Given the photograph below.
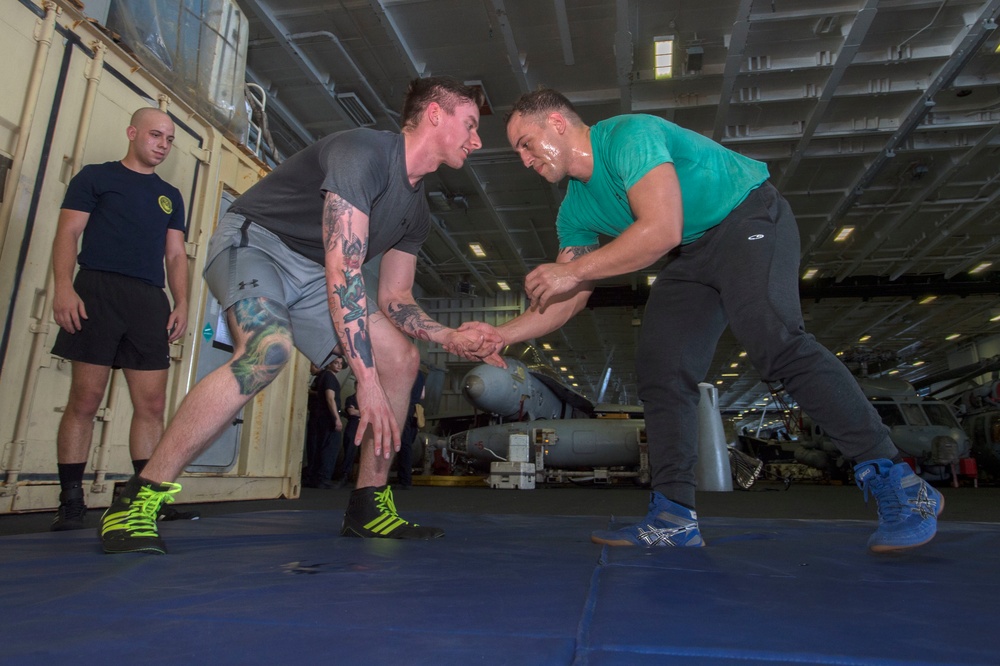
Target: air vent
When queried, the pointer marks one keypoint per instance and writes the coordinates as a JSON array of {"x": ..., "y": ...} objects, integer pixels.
[{"x": 355, "y": 109}]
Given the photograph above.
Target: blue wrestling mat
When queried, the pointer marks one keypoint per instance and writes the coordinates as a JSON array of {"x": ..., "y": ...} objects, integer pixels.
[{"x": 280, "y": 587}]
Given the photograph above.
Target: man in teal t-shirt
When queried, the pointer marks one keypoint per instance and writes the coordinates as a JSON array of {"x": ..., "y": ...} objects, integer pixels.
[{"x": 732, "y": 250}]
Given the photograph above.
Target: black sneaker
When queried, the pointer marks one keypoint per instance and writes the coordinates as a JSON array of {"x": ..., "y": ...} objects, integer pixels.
[
  {"x": 129, "y": 524},
  {"x": 371, "y": 514},
  {"x": 72, "y": 510},
  {"x": 168, "y": 512}
]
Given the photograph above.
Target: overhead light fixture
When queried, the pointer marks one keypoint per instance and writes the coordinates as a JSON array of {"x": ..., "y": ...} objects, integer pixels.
[
  {"x": 563, "y": 368},
  {"x": 981, "y": 267},
  {"x": 995, "y": 317},
  {"x": 810, "y": 274},
  {"x": 926, "y": 299},
  {"x": 546, "y": 346},
  {"x": 864, "y": 338},
  {"x": 734, "y": 365},
  {"x": 719, "y": 382},
  {"x": 575, "y": 385},
  {"x": 918, "y": 364},
  {"x": 742, "y": 354},
  {"x": 556, "y": 359},
  {"x": 843, "y": 234},
  {"x": 650, "y": 279},
  {"x": 503, "y": 285},
  {"x": 570, "y": 377},
  {"x": 894, "y": 372},
  {"x": 477, "y": 249},
  {"x": 954, "y": 336},
  {"x": 663, "y": 57},
  {"x": 730, "y": 374}
]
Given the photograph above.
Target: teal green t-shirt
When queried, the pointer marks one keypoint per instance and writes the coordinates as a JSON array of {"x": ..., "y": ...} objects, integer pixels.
[{"x": 714, "y": 180}]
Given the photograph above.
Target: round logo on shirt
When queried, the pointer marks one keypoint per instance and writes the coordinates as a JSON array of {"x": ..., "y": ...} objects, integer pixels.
[{"x": 166, "y": 205}]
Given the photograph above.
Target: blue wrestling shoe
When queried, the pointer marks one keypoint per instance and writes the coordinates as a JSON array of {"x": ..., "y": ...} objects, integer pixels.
[
  {"x": 666, "y": 524},
  {"x": 908, "y": 506}
]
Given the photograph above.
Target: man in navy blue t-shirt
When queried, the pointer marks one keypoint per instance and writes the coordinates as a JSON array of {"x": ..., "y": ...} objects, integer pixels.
[{"x": 115, "y": 314}]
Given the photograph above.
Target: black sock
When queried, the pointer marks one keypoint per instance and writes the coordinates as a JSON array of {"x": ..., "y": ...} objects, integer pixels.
[
  {"x": 138, "y": 465},
  {"x": 71, "y": 474}
]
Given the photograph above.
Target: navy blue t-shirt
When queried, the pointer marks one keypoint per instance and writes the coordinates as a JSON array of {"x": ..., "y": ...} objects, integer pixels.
[{"x": 130, "y": 213}]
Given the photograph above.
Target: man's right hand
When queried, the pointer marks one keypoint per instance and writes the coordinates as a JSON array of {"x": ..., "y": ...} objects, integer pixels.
[
  {"x": 68, "y": 310},
  {"x": 493, "y": 342}
]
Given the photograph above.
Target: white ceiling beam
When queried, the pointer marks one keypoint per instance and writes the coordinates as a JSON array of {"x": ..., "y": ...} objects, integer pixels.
[
  {"x": 416, "y": 68},
  {"x": 518, "y": 61}
]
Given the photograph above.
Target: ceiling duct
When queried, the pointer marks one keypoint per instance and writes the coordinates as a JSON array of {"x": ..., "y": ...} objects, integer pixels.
[{"x": 355, "y": 108}]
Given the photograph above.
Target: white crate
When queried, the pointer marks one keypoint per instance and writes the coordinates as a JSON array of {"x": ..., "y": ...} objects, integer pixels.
[
  {"x": 512, "y": 475},
  {"x": 518, "y": 449}
]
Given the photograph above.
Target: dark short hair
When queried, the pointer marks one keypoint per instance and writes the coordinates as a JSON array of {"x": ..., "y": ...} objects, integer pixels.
[
  {"x": 542, "y": 101},
  {"x": 446, "y": 91}
]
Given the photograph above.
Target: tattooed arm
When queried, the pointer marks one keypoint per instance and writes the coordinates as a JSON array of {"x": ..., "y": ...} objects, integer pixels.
[
  {"x": 395, "y": 295},
  {"x": 345, "y": 241},
  {"x": 536, "y": 321}
]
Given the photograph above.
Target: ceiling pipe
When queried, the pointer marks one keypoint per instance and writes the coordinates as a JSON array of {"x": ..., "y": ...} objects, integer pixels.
[
  {"x": 735, "y": 53},
  {"x": 974, "y": 37},
  {"x": 852, "y": 43}
]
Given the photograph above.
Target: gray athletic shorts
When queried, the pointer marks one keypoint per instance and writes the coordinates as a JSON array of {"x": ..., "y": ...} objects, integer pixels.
[{"x": 247, "y": 261}]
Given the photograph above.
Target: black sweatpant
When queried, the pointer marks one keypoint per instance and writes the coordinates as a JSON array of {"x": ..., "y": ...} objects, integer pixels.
[{"x": 745, "y": 273}]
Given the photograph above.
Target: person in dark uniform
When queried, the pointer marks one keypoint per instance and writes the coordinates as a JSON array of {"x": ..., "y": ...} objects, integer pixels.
[
  {"x": 115, "y": 314},
  {"x": 325, "y": 426},
  {"x": 342, "y": 476}
]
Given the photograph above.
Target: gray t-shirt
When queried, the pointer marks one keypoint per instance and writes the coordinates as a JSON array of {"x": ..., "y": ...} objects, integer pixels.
[{"x": 367, "y": 168}]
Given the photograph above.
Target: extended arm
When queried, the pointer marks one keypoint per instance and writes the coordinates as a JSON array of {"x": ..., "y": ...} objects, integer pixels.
[
  {"x": 658, "y": 228},
  {"x": 345, "y": 240},
  {"x": 537, "y": 321},
  {"x": 395, "y": 297},
  {"x": 177, "y": 279},
  {"x": 67, "y": 307}
]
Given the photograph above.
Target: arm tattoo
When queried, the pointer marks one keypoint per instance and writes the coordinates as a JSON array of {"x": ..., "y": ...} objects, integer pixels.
[
  {"x": 351, "y": 295},
  {"x": 580, "y": 250},
  {"x": 360, "y": 343},
  {"x": 336, "y": 217},
  {"x": 268, "y": 336},
  {"x": 410, "y": 319}
]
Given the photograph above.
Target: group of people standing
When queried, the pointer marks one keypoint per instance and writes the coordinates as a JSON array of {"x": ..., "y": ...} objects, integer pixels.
[{"x": 285, "y": 264}]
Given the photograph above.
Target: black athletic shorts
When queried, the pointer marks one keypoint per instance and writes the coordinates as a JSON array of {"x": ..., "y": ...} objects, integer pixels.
[{"x": 126, "y": 325}]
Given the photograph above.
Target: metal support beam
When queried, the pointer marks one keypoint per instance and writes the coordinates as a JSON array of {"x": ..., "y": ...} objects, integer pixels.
[{"x": 734, "y": 63}]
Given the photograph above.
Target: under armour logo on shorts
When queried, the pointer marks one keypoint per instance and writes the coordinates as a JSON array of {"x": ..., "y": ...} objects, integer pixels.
[{"x": 251, "y": 283}]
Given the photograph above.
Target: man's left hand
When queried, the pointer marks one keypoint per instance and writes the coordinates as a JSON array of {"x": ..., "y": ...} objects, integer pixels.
[{"x": 549, "y": 281}]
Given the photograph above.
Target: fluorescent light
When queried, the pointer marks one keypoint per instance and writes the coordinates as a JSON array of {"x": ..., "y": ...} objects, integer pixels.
[
  {"x": 894, "y": 372},
  {"x": 503, "y": 286},
  {"x": 556, "y": 359},
  {"x": 810, "y": 274},
  {"x": 981, "y": 267},
  {"x": 734, "y": 365},
  {"x": 864, "y": 338},
  {"x": 477, "y": 249},
  {"x": 546, "y": 346},
  {"x": 926, "y": 299},
  {"x": 743, "y": 354},
  {"x": 650, "y": 279},
  {"x": 563, "y": 368},
  {"x": 954, "y": 336},
  {"x": 730, "y": 374},
  {"x": 719, "y": 382},
  {"x": 663, "y": 57},
  {"x": 575, "y": 384},
  {"x": 918, "y": 364},
  {"x": 995, "y": 317},
  {"x": 843, "y": 234},
  {"x": 570, "y": 377}
]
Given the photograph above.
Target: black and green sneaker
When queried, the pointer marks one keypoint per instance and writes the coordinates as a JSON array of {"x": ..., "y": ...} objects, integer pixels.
[
  {"x": 72, "y": 509},
  {"x": 371, "y": 514},
  {"x": 129, "y": 524}
]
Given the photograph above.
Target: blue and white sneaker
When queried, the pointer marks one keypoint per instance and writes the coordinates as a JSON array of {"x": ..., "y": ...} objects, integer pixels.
[
  {"x": 666, "y": 524},
  {"x": 908, "y": 506}
]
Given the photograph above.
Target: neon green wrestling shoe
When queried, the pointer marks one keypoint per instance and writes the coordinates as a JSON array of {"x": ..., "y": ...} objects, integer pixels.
[
  {"x": 129, "y": 524},
  {"x": 371, "y": 514}
]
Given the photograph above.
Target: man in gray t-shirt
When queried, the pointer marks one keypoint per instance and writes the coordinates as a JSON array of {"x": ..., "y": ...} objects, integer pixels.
[{"x": 285, "y": 263}]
